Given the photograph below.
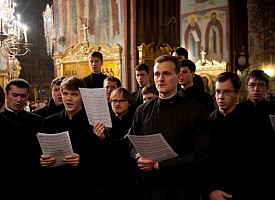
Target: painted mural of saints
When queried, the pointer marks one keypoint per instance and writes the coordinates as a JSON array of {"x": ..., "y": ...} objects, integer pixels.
[
  {"x": 192, "y": 38},
  {"x": 214, "y": 38}
]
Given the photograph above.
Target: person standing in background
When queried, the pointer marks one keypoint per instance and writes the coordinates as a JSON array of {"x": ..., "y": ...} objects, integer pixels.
[
  {"x": 96, "y": 78},
  {"x": 110, "y": 84},
  {"x": 149, "y": 92},
  {"x": 188, "y": 90},
  {"x": 56, "y": 103},
  {"x": 143, "y": 79},
  {"x": 182, "y": 54}
]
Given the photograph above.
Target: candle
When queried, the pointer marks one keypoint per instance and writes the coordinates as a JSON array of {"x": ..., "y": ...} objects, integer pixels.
[
  {"x": 18, "y": 28},
  {"x": 25, "y": 33},
  {"x": 18, "y": 34}
]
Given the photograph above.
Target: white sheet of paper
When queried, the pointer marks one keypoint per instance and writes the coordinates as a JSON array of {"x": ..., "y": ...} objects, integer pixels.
[
  {"x": 272, "y": 119},
  {"x": 56, "y": 145},
  {"x": 152, "y": 147},
  {"x": 96, "y": 106},
  {"x": 195, "y": 36}
]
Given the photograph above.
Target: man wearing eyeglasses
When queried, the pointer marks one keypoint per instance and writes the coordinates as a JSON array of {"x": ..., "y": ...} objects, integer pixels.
[
  {"x": 110, "y": 84},
  {"x": 236, "y": 147},
  {"x": 118, "y": 181},
  {"x": 257, "y": 85}
]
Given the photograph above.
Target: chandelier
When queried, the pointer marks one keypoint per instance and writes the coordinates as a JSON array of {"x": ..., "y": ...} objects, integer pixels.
[{"x": 13, "y": 34}]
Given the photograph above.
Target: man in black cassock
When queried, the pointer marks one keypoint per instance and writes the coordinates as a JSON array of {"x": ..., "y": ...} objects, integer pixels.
[
  {"x": 257, "y": 85},
  {"x": 183, "y": 124},
  {"x": 56, "y": 104},
  {"x": 96, "y": 78},
  {"x": 78, "y": 175},
  {"x": 239, "y": 155},
  {"x": 118, "y": 179},
  {"x": 189, "y": 90},
  {"x": 143, "y": 79},
  {"x": 18, "y": 145},
  {"x": 17, "y": 93}
]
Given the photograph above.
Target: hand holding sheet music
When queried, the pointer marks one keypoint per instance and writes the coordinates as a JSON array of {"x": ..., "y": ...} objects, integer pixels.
[
  {"x": 152, "y": 147},
  {"x": 96, "y": 106},
  {"x": 56, "y": 145}
]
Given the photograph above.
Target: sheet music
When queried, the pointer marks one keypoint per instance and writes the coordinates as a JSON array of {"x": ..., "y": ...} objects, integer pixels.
[
  {"x": 96, "y": 106},
  {"x": 152, "y": 147},
  {"x": 56, "y": 145},
  {"x": 272, "y": 119}
]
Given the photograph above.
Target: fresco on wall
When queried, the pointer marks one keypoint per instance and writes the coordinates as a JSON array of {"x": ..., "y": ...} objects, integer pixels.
[
  {"x": 261, "y": 33},
  {"x": 104, "y": 21},
  {"x": 261, "y": 38},
  {"x": 206, "y": 30},
  {"x": 188, "y": 6}
]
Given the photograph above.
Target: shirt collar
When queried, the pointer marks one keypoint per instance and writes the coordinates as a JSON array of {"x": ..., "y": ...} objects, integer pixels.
[
  {"x": 8, "y": 109},
  {"x": 171, "y": 96}
]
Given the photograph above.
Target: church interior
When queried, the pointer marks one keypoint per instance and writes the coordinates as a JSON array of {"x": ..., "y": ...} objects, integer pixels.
[{"x": 220, "y": 35}]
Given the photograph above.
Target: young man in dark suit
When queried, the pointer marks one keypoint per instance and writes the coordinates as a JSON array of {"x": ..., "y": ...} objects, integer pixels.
[{"x": 96, "y": 78}]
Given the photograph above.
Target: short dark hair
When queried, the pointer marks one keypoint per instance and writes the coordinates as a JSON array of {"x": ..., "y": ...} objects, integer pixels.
[
  {"x": 142, "y": 67},
  {"x": 235, "y": 79},
  {"x": 57, "y": 80},
  {"x": 2, "y": 96},
  {"x": 190, "y": 64},
  {"x": 125, "y": 93},
  {"x": 18, "y": 82},
  {"x": 72, "y": 83},
  {"x": 258, "y": 75},
  {"x": 113, "y": 79},
  {"x": 172, "y": 59},
  {"x": 180, "y": 51},
  {"x": 96, "y": 54},
  {"x": 150, "y": 89}
]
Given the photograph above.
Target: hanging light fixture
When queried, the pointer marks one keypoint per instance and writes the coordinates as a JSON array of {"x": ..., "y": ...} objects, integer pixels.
[{"x": 13, "y": 34}]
